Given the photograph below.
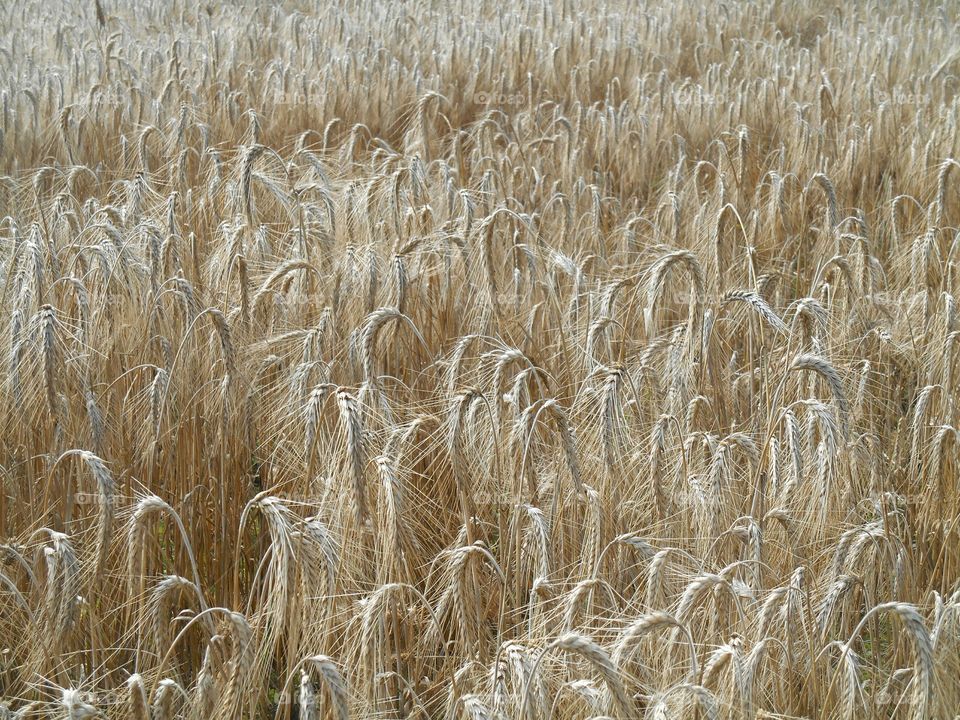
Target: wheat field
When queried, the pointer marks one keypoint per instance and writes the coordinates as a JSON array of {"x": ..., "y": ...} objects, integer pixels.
[{"x": 479, "y": 361}]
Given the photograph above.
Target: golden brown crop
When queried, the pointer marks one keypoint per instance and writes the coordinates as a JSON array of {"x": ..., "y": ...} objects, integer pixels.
[{"x": 491, "y": 361}]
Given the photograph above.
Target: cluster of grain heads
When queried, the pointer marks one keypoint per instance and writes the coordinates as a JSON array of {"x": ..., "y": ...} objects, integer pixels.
[{"x": 490, "y": 362}]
